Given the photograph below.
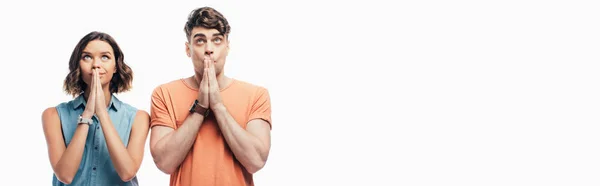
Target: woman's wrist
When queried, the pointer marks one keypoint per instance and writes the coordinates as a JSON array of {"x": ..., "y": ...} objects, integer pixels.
[{"x": 87, "y": 115}]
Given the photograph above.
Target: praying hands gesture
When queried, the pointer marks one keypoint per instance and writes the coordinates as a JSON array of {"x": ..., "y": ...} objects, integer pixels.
[
  {"x": 209, "y": 95},
  {"x": 96, "y": 102}
]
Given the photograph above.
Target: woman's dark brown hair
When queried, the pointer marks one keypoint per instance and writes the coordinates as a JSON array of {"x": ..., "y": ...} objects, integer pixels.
[{"x": 121, "y": 80}]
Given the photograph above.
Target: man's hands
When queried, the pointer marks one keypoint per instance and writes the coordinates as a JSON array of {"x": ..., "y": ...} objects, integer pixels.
[
  {"x": 96, "y": 102},
  {"x": 209, "y": 95},
  {"x": 214, "y": 93},
  {"x": 204, "y": 88}
]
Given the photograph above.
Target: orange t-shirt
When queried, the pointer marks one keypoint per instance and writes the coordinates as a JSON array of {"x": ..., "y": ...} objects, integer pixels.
[{"x": 210, "y": 161}]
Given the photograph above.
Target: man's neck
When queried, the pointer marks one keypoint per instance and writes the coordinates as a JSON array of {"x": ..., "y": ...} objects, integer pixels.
[{"x": 222, "y": 80}]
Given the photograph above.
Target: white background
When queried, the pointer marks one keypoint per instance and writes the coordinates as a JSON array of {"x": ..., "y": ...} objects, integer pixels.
[{"x": 363, "y": 93}]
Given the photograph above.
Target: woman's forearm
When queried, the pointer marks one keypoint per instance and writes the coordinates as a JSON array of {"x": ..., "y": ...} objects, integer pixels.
[
  {"x": 122, "y": 160},
  {"x": 66, "y": 168}
]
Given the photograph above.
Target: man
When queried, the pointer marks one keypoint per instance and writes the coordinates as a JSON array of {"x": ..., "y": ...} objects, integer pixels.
[{"x": 209, "y": 129}]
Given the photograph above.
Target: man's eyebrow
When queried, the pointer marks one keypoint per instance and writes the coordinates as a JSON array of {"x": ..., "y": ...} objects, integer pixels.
[
  {"x": 199, "y": 35},
  {"x": 202, "y": 35}
]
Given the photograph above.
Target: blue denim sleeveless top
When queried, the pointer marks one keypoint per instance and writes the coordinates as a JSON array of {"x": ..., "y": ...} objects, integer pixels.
[{"x": 96, "y": 167}]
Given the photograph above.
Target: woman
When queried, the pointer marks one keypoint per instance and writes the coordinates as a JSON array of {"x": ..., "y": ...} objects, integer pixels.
[{"x": 96, "y": 139}]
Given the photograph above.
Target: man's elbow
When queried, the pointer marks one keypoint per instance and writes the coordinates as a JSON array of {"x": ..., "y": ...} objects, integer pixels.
[
  {"x": 256, "y": 166},
  {"x": 165, "y": 167},
  {"x": 167, "y": 170}
]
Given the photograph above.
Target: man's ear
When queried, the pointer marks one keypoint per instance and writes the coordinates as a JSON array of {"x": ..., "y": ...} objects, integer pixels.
[
  {"x": 228, "y": 44},
  {"x": 187, "y": 49}
]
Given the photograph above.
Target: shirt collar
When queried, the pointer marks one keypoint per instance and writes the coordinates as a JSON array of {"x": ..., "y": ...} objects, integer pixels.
[{"x": 114, "y": 102}]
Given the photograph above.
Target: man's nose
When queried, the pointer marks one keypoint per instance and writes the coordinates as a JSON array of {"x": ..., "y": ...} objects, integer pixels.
[{"x": 209, "y": 50}]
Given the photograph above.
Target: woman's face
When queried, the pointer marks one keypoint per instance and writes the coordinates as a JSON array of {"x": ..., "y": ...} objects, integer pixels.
[{"x": 97, "y": 55}]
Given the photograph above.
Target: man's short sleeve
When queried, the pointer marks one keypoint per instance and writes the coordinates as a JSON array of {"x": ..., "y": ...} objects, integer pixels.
[
  {"x": 261, "y": 107},
  {"x": 159, "y": 112}
]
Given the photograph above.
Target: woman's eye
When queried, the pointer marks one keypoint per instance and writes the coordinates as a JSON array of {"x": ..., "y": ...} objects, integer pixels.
[
  {"x": 87, "y": 58},
  {"x": 104, "y": 58}
]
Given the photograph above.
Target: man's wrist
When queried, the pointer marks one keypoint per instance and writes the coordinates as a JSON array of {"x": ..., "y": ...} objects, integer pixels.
[
  {"x": 219, "y": 107},
  {"x": 197, "y": 108},
  {"x": 196, "y": 114}
]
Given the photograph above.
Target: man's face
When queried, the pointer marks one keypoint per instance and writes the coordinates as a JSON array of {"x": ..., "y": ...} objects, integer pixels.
[{"x": 203, "y": 43}]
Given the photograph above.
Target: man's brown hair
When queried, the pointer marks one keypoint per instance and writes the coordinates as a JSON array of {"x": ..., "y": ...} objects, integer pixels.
[{"x": 206, "y": 17}]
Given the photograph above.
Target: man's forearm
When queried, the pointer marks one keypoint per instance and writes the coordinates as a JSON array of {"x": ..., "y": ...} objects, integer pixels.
[
  {"x": 248, "y": 149},
  {"x": 172, "y": 149}
]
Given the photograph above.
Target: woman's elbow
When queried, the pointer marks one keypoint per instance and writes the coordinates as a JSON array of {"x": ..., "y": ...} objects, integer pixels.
[
  {"x": 127, "y": 176},
  {"x": 65, "y": 179}
]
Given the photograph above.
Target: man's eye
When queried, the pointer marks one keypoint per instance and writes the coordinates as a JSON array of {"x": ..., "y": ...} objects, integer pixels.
[
  {"x": 217, "y": 40},
  {"x": 200, "y": 41}
]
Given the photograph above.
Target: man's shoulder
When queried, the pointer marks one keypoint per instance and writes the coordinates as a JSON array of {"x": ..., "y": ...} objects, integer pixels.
[
  {"x": 251, "y": 87},
  {"x": 249, "y": 90},
  {"x": 169, "y": 86}
]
